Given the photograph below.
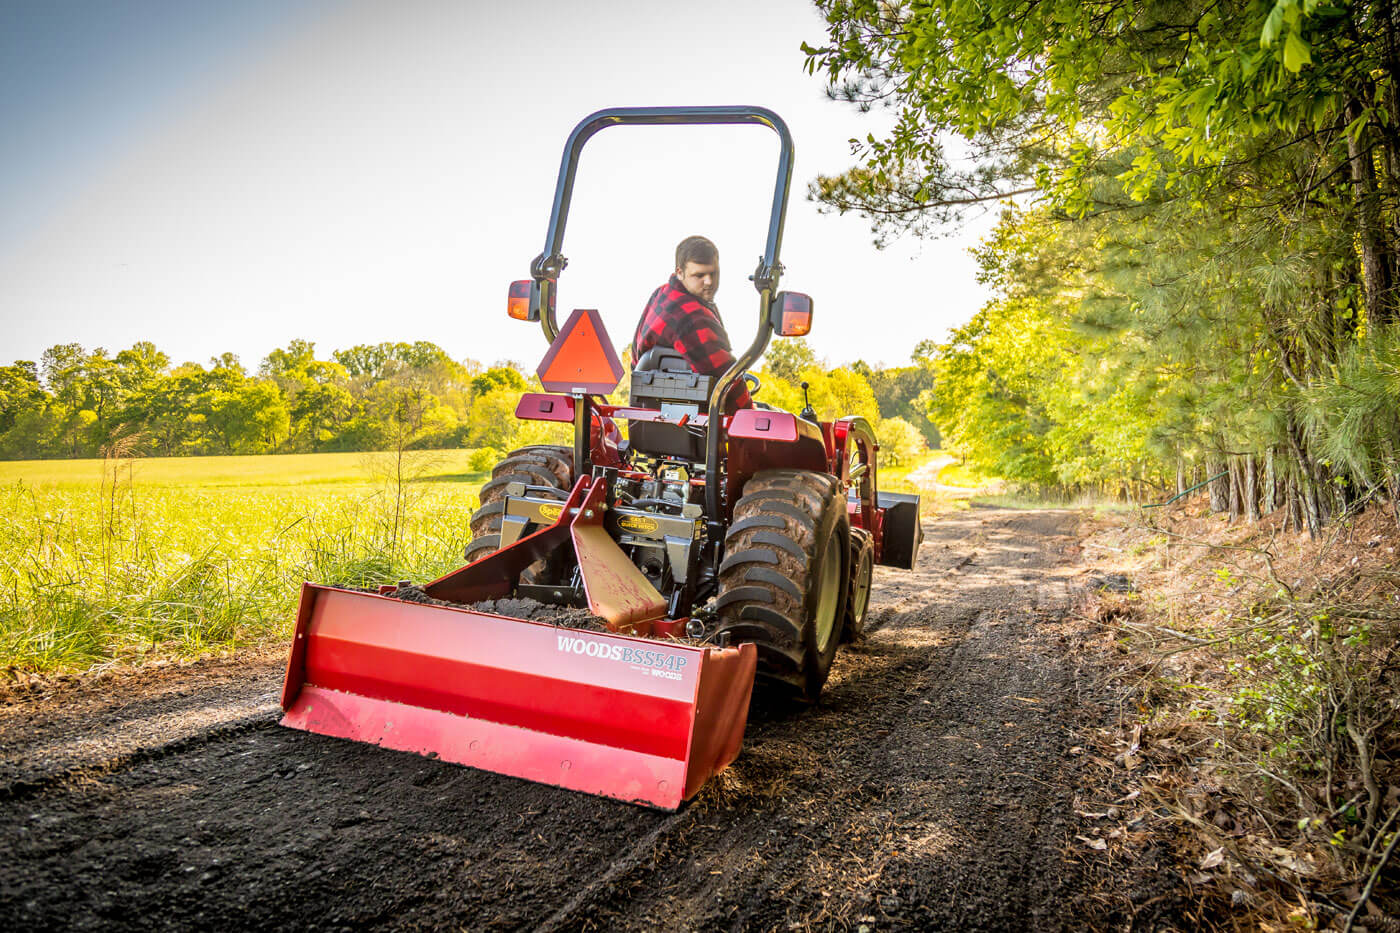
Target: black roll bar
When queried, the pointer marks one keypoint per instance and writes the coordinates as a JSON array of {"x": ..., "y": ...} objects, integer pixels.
[{"x": 549, "y": 264}]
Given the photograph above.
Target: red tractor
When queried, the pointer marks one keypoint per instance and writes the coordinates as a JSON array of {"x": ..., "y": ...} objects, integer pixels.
[{"x": 713, "y": 548}]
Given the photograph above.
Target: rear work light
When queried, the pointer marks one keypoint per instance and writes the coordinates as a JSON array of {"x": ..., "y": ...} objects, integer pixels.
[
  {"x": 792, "y": 314},
  {"x": 518, "y": 304}
]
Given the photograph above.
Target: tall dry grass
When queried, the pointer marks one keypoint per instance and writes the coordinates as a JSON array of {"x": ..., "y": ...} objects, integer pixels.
[{"x": 123, "y": 571}]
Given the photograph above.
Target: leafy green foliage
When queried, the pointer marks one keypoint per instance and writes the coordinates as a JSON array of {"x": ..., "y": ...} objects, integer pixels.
[
  {"x": 786, "y": 358},
  {"x": 1207, "y": 273},
  {"x": 380, "y": 397},
  {"x": 901, "y": 444}
]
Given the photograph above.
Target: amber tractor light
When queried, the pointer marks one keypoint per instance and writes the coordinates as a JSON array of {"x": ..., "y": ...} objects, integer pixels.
[
  {"x": 518, "y": 304},
  {"x": 792, "y": 314}
]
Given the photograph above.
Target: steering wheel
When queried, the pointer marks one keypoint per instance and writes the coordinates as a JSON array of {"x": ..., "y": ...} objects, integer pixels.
[{"x": 754, "y": 384}]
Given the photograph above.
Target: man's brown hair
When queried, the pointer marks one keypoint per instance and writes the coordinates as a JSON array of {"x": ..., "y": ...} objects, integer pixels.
[{"x": 696, "y": 249}]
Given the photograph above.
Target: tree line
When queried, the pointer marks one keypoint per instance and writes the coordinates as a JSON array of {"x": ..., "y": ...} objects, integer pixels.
[
  {"x": 86, "y": 403},
  {"x": 1195, "y": 267},
  {"x": 79, "y": 403}
]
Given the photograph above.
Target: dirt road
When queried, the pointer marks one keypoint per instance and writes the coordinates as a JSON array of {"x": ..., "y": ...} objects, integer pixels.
[{"x": 933, "y": 787}]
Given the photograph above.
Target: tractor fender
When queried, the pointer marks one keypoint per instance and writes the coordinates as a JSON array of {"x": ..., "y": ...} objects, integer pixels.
[
  {"x": 764, "y": 439},
  {"x": 853, "y": 441},
  {"x": 784, "y": 442},
  {"x": 764, "y": 425}
]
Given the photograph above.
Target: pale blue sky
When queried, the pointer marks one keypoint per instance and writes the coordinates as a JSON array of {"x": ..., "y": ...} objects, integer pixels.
[
  {"x": 81, "y": 80},
  {"x": 220, "y": 177}
]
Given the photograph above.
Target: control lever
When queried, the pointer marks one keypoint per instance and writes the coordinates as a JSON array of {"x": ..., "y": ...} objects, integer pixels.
[{"x": 807, "y": 413}]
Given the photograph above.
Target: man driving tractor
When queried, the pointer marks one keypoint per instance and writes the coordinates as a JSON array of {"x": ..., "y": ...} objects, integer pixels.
[{"x": 682, "y": 315}]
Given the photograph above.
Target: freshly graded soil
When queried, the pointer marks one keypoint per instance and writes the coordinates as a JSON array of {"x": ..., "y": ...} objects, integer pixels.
[
  {"x": 515, "y": 608},
  {"x": 934, "y": 787},
  {"x": 534, "y": 611}
]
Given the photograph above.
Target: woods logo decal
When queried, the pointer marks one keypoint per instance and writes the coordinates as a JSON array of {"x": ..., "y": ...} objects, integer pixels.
[
  {"x": 551, "y": 512},
  {"x": 657, "y": 663}
]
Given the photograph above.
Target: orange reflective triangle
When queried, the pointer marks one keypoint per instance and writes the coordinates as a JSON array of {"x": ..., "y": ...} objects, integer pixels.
[{"x": 581, "y": 358}]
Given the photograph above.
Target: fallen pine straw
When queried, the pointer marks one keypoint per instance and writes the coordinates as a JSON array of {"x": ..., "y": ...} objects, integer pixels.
[{"x": 1261, "y": 683}]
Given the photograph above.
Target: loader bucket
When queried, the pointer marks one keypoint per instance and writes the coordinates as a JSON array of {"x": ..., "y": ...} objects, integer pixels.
[{"x": 642, "y": 720}]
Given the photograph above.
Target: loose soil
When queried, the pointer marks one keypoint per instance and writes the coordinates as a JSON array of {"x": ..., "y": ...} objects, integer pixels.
[{"x": 935, "y": 786}]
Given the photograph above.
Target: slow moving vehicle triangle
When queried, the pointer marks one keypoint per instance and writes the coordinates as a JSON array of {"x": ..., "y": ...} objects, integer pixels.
[{"x": 581, "y": 359}]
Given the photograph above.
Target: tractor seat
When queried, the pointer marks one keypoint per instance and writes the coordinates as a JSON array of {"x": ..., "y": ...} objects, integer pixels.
[
  {"x": 662, "y": 359},
  {"x": 662, "y": 379}
]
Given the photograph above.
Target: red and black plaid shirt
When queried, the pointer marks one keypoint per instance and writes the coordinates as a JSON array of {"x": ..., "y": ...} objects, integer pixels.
[{"x": 677, "y": 319}]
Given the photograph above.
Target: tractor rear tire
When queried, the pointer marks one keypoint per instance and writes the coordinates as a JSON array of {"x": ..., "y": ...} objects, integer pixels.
[
  {"x": 784, "y": 581},
  {"x": 541, "y": 465},
  {"x": 862, "y": 569}
]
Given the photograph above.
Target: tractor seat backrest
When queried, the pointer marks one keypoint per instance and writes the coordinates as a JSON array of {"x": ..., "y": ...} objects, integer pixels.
[
  {"x": 663, "y": 379},
  {"x": 664, "y": 359}
]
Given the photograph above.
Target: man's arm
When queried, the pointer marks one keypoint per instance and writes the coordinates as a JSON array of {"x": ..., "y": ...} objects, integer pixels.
[{"x": 704, "y": 344}]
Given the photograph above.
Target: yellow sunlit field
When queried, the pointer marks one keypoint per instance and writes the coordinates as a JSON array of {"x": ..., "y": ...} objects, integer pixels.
[
  {"x": 263, "y": 470},
  {"x": 180, "y": 556}
]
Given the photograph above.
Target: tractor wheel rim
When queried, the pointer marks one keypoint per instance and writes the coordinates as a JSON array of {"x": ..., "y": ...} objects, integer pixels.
[
  {"x": 828, "y": 589},
  {"x": 860, "y": 599}
]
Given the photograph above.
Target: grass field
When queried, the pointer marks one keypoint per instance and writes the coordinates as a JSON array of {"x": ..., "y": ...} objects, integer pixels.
[
  {"x": 121, "y": 561},
  {"x": 963, "y": 476},
  {"x": 260, "y": 471},
  {"x": 181, "y": 556}
]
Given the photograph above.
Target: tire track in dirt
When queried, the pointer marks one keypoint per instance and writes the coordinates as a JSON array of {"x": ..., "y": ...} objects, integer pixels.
[
  {"x": 920, "y": 812},
  {"x": 112, "y": 720},
  {"x": 926, "y": 789}
]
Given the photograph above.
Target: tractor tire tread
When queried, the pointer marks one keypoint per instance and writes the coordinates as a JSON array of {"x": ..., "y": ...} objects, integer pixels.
[
  {"x": 537, "y": 465},
  {"x": 496, "y": 488},
  {"x": 783, "y": 523},
  {"x": 757, "y": 521},
  {"x": 752, "y": 632},
  {"x": 487, "y": 519},
  {"x": 810, "y": 494},
  {"x": 773, "y": 578},
  {"x": 753, "y": 555},
  {"x": 774, "y": 623},
  {"x": 485, "y": 544},
  {"x": 783, "y": 505},
  {"x": 750, "y": 594},
  {"x": 777, "y": 540},
  {"x": 529, "y": 463},
  {"x": 862, "y": 547}
]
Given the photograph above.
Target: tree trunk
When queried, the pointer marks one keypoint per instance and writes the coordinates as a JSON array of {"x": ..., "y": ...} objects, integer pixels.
[
  {"x": 1376, "y": 256},
  {"x": 1219, "y": 487},
  {"x": 1324, "y": 490},
  {"x": 1233, "y": 465},
  {"x": 1251, "y": 489},
  {"x": 1395, "y": 502},
  {"x": 1180, "y": 477},
  {"x": 1295, "y": 505},
  {"x": 1390, "y": 143},
  {"x": 1270, "y": 483},
  {"x": 1285, "y": 493},
  {"x": 1307, "y": 481}
]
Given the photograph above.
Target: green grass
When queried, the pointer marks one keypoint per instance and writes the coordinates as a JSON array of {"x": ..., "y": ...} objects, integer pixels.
[
  {"x": 191, "y": 555},
  {"x": 963, "y": 476},
  {"x": 1027, "y": 501},
  {"x": 126, "y": 560},
  {"x": 280, "y": 470},
  {"x": 896, "y": 478}
]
